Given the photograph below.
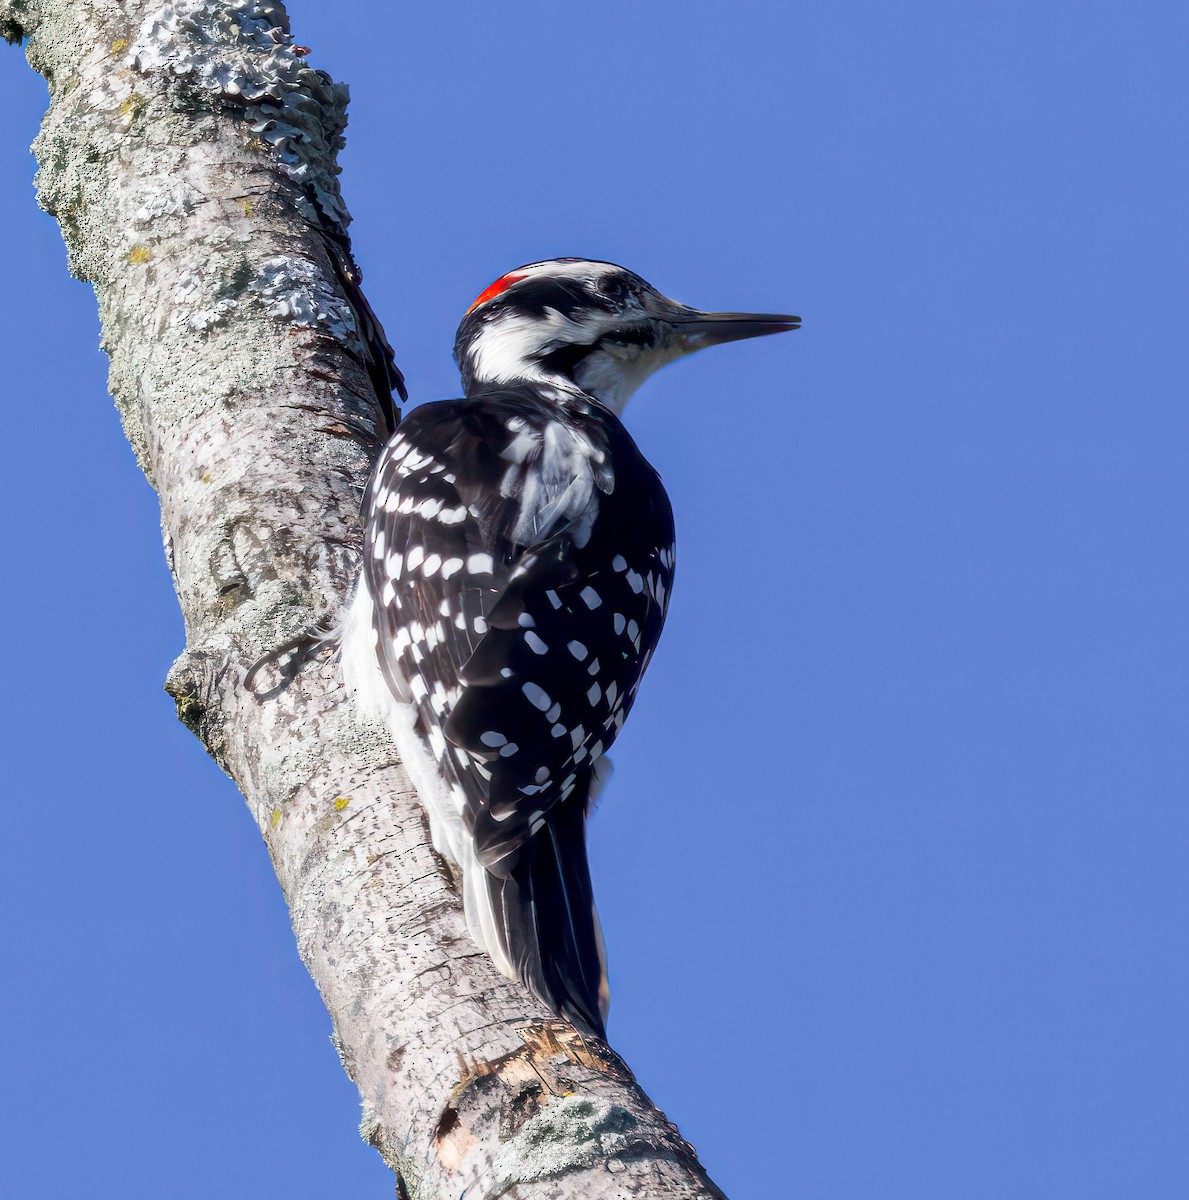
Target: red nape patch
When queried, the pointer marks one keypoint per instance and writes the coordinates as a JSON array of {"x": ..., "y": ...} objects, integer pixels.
[{"x": 501, "y": 285}]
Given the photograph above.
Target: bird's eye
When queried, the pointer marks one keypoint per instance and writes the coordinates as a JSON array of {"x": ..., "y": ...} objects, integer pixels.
[{"x": 614, "y": 287}]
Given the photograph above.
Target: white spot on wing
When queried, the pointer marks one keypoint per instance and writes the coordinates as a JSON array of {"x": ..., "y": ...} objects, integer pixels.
[{"x": 437, "y": 741}]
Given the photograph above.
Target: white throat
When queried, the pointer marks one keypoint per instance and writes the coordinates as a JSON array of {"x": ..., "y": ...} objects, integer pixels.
[{"x": 614, "y": 378}]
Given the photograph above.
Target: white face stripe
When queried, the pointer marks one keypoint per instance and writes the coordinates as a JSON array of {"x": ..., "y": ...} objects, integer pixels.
[
  {"x": 586, "y": 269},
  {"x": 506, "y": 348}
]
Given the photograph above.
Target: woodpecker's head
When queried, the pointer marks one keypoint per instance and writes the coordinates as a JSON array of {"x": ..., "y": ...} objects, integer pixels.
[{"x": 588, "y": 326}]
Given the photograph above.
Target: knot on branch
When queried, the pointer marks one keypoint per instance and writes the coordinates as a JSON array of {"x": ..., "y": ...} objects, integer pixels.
[
  {"x": 194, "y": 682},
  {"x": 11, "y": 30}
]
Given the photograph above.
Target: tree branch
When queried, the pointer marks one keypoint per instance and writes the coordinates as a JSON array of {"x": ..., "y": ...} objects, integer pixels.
[{"x": 189, "y": 157}]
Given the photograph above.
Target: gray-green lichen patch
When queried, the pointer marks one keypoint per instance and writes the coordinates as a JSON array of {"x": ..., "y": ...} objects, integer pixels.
[
  {"x": 163, "y": 197},
  {"x": 241, "y": 54},
  {"x": 197, "y": 302},
  {"x": 569, "y": 1133},
  {"x": 295, "y": 290}
]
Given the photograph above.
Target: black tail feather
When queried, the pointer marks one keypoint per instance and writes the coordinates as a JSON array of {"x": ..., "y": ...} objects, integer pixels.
[{"x": 545, "y": 912}]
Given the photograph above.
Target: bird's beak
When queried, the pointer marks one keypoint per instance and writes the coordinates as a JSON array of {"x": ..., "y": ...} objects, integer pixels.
[{"x": 696, "y": 329}]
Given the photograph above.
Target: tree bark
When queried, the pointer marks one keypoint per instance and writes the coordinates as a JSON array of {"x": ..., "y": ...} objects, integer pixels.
[{"x": 189, "y": 156}]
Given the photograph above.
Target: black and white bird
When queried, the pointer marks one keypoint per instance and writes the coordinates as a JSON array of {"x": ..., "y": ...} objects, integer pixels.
[{"x": 518, "y": 561}]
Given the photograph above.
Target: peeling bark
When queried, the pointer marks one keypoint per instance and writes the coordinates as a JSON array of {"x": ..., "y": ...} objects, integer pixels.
[{"x": 189, "y": 157}]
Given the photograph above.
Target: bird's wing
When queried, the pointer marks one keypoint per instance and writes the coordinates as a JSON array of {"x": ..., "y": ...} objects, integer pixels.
[{"x": 519, "y": 610}]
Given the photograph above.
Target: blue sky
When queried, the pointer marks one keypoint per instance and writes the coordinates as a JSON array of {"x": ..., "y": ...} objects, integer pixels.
[{"x": 893, "y": 869}]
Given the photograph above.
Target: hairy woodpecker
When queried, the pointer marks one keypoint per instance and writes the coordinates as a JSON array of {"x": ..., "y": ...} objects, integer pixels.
[{"x": 518, "y": 560}]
